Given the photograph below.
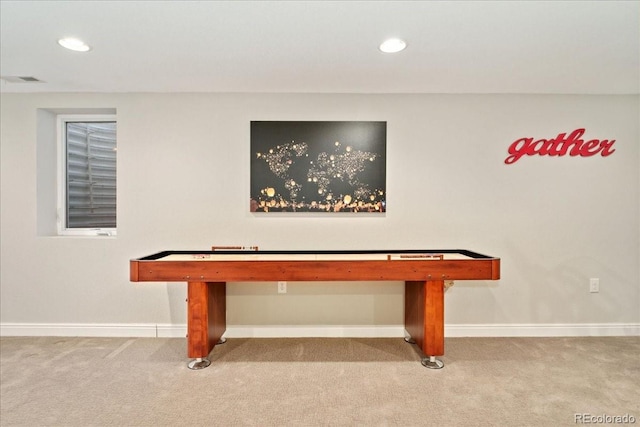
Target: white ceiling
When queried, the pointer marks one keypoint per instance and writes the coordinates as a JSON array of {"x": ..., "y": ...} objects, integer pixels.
[{"x": 576, "y": 47}]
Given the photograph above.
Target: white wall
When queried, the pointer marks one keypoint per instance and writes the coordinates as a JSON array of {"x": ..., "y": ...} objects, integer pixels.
[{"x": 183, "y": 183}]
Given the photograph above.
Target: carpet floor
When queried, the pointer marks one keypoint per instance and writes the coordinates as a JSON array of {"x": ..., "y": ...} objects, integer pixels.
[{"x": 47, "y": 381}]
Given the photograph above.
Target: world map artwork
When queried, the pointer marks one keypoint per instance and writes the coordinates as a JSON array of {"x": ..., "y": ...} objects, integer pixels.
[{"x": 318, "y": 166}]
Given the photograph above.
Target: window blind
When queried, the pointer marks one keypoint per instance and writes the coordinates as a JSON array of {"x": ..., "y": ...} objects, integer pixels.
[{"x": 91, "y": 174}]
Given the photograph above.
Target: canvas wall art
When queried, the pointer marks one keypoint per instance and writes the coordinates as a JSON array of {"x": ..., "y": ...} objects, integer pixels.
[{"x": 316, "y": 166}]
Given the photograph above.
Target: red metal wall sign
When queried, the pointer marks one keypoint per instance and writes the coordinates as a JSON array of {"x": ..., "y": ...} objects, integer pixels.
[{"x": 560, "y": 146}]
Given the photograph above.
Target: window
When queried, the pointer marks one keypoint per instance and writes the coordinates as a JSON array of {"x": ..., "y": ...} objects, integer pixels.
[{"x": 87, "y": 190}]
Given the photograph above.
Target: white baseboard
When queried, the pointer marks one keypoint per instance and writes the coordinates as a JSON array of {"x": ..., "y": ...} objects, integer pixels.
[
  {"x": 328, "y": 331},
  {"x": 77, "y": 330},
  {"x": 544, "y": 330}
]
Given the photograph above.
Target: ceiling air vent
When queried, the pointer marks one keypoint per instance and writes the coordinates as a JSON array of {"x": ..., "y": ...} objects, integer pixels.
[{"x": 21, "y": 79}]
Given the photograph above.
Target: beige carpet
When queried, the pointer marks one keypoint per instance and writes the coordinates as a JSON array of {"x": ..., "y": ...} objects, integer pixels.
[{"x": 317, "y": 382}]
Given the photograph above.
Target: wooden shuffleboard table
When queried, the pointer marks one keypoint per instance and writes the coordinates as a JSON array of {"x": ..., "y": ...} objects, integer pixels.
[{"x": 207, "y": 273}]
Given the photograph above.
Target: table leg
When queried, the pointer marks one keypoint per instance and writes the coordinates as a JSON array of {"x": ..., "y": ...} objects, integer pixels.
[
  {"x": 424, "y": 318},
  {"x": 206, "y": 320}
]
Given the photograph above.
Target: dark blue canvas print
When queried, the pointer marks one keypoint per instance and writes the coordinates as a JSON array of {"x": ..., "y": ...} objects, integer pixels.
[{"x": 318, "y": 166}]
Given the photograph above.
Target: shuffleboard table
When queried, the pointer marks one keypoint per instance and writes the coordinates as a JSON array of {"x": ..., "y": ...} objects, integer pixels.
[{"x": 207, "y": 273}]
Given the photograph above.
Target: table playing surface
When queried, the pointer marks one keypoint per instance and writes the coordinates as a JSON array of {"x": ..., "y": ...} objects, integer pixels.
[{"x": 401, "y": 256}]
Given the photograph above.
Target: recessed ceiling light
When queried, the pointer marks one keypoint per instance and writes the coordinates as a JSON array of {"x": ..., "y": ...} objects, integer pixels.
[
  {"x": 392, "y": 45},
  {"x": 74, "y": 44}
]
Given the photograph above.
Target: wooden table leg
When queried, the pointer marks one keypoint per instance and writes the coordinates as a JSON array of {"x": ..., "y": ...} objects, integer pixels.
[
  {"x": 424, "y": 318},
  {"x": 206, "y": 319}
]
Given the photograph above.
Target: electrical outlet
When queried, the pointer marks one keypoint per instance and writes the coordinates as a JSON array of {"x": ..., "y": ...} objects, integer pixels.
[
  {"x": 594, "y": 285},
  {"x": 282, "y": 287}
]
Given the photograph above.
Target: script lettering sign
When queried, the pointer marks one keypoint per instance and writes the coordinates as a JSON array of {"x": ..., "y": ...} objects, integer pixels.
[{"x": 561, "y": 145}]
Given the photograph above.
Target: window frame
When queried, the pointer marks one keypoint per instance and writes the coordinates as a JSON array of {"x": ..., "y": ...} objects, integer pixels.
[{"x": 62, "y": 186}]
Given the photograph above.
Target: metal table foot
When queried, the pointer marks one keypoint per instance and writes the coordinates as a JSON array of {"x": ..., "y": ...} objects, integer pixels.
[
  {"x": 409, "y": 340},
  {"x": 199, "y": 363},
  {"x": 432, "y": 363},
  {"x": 203, "y": 362}
]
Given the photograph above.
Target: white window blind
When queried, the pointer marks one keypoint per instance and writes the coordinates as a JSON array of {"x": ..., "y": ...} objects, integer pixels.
[{"x": 90, "y": 174}]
